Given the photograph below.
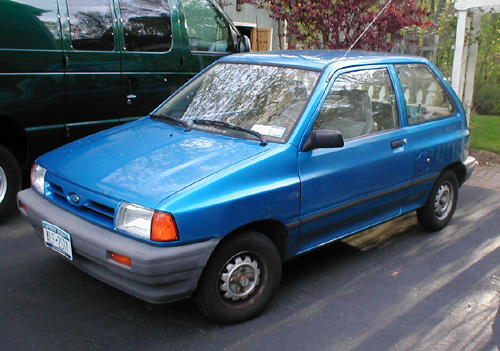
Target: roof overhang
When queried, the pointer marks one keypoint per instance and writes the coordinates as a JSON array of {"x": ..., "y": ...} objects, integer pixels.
[{"x": 464, "y": 5}]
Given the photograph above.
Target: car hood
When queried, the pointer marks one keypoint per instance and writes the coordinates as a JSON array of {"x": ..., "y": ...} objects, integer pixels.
[{"x": 146, "y": 161}]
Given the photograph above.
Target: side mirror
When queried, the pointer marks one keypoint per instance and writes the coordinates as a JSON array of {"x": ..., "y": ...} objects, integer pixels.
[
  {"x": 244, "y": 44},
  {"x": 323, "y": 139}
]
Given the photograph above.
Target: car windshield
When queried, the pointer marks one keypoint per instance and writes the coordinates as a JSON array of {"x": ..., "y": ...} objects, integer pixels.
[{"x": 257, "y": 98}]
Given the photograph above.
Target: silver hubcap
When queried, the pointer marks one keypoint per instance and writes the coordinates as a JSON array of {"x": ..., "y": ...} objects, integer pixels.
[
  {"x": 444, "y": 200},
  {"x": 239, "y": 277},
  {"x": 3, "y": 184}
]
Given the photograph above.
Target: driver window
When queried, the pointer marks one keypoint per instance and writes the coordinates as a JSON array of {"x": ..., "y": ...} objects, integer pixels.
[
  {"x": 359, "y": 103},
  {"x": 207, "y": 29}
]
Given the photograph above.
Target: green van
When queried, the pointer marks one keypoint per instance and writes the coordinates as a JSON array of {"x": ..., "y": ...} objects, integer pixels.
[{"x": 69, "y": 68}]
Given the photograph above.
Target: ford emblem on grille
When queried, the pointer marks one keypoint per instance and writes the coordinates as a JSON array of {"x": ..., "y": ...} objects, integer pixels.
[{"x": 74, "y": 198}]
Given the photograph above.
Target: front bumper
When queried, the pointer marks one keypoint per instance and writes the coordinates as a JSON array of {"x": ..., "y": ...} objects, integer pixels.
[
  {"x": 470, "y": 163},
  {"x": 157, "y": 274}
]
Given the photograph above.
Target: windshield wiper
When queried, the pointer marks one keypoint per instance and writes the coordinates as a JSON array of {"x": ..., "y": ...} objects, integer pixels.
[
  {"x": 223, "y": 124},
  {"x": 174, "y": 119}
]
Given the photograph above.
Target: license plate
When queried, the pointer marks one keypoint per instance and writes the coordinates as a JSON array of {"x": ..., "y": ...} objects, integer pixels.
[{"x": 57, "y": 239}]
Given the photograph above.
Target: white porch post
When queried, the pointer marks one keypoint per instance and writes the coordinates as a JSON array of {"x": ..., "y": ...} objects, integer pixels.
[
  {"x": 460, "y": 56},
  {"x": 465, "y": 57},
  {"x": 470, "y": 72}
]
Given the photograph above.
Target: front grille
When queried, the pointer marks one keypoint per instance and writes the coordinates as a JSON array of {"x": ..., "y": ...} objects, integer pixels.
[
  {"x": 91, "y": 206},
  {"x": 57, "y": 190},
  {"x": 101, "y": 209}
]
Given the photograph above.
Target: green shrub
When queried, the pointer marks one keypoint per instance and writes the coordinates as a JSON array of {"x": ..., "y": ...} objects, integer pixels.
[{"x": 486, "y": 99}]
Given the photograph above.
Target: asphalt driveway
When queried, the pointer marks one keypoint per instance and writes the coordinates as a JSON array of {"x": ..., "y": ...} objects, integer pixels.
[{"x": 396, "y": 288}]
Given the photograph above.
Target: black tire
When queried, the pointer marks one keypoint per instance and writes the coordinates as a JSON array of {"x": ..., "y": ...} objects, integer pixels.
[
  {"x": 240, "y": 279},
  {"x": 441, "y": 204},
  {"x": 10, "y": 181}
]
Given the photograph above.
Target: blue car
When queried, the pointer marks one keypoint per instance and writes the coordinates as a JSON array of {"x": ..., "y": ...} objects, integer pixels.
[{"x": 260, "y": 158}]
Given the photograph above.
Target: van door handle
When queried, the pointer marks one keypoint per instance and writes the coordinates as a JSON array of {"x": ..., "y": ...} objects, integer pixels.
[
  {"x": 398, "y": 143},
  {"x": 130, "y": 96}
]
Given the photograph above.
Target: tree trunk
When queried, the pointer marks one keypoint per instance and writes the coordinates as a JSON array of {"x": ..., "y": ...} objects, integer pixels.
[
  {"x": 281, "y": 34},
  {"x": 292, "y": 41},
  {"x": 439, "y": 10}
]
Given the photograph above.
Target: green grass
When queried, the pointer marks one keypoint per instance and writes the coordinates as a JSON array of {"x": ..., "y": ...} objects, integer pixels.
[{"x": 485, "y": 133}]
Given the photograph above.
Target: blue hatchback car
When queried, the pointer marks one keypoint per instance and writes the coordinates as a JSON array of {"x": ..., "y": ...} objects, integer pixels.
[{"x": 258, "y": 159}]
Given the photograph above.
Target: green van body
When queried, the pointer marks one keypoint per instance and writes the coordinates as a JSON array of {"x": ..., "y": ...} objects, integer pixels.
[{"x": 71, "y": 68}]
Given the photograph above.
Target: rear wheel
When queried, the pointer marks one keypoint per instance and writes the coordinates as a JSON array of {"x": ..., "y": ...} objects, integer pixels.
[
  {"x": 10, "y": 181},
  {"x": 240, "y": 279},
  {"x": 441, "y": 204}
]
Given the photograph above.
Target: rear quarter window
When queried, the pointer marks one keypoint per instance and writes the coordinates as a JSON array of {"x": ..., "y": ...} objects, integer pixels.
[{"x": 426, "y": 98}]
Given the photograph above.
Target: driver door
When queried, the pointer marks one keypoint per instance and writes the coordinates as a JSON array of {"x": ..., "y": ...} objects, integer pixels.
[{"x": 364, "y": 182}]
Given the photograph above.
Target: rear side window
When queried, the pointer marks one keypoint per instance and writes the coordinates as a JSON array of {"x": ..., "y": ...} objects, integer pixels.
[
  {"x": 207, "y": 29},
  {"x": 29, "y": 24},
  {"x": 146, "y": 28},
  {"x": 359, "y": 103},
  {"x": 91, "y": 25},
  {"x": 426, "y": 98}
]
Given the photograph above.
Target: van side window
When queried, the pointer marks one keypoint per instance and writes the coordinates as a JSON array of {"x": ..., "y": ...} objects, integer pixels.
[
  {"x": 207, "y": 29},
  {"x": 146, "y": 28},
  {"x": 32, "y": 24},
  {"x": 426, "y": 99},
  {"x": 91, "y": 25},
  {"x": 359, "y": 103}
]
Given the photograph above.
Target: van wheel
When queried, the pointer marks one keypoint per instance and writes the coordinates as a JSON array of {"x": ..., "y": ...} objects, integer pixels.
[
  {"x": 441, "y": 203},
  {"x": 240, "y": 279},
  {"x": 10, "y": 181}
]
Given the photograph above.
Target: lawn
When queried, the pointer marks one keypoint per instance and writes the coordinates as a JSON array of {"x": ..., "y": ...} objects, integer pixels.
[{"x": 485, "y": 133}]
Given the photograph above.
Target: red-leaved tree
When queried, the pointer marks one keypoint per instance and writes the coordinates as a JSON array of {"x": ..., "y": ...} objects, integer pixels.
[{"x": 336, "y": 24}]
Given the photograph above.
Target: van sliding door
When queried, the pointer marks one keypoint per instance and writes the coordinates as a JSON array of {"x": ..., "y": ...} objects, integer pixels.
[
  {"x": 92, "y": 67},
  {"x": 151, "y": 64}
]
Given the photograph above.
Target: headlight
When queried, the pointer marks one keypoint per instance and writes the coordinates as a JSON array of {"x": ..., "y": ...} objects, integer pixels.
[
  {"x": 146, "y": 223},
  {"x": 38, "y": 178},
  {"x": 134, "y": 219}
]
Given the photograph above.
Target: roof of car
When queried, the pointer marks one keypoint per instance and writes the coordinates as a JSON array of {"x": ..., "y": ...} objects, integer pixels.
[{"x": 318, "y": 59}]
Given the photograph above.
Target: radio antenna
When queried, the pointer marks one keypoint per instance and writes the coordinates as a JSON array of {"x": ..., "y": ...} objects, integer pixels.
[{"x": 368, "y": 27}]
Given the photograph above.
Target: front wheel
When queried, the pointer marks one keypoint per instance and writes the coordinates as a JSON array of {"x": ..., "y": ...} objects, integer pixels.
[
  {"x": 10, "y": 181},
  {"x": 240, "y": 279},
  {"x": 441, "y": 203}
]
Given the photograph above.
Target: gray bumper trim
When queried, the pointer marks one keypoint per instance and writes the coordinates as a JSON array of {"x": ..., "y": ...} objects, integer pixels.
[
  {"x": 470, "y": 163},
  {"x": 158, "y": 274}
]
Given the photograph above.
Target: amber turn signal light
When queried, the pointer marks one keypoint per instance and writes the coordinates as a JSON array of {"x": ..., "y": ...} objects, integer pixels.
[
  {"x": 163, "y": 227},
  {"x": 121, "y": 259}
]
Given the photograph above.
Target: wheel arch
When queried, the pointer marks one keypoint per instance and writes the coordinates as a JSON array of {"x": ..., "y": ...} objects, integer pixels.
[
  {"x": 459, "y": 169},
  {"x": 13, "y": 138},
  {"x": 275, "y": 230}
]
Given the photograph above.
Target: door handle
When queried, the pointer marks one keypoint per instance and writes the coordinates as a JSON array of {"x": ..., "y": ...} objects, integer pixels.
[
  {"x": 129, "y": 98},
  {"x": 398, "y": 143},
  {"x": 130, "y": 85}
]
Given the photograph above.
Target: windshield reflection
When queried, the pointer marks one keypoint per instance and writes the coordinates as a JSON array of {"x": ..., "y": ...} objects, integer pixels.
[{"x": 265, "y": 99}]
